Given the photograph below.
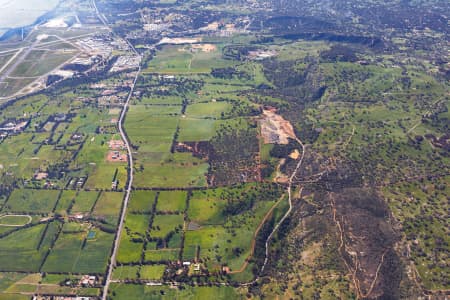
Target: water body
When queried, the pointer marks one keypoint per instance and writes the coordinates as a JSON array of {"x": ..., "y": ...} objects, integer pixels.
[{"x": 18, "y": 13}]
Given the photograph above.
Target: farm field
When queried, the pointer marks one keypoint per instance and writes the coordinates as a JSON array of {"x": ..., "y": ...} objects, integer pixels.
[
  {"x": 174, "y": 201},
  {"x": 25, "y": 249},
  {"x": 31, "y": 201},
  {"x": 216, "y": 221},
  {"x": 130, "y": 291},
  {"x": 226, "y": 150},
  {"x": 184, "y": 59},
  {"x": 23, "y": 286},
  {"x": 86, "y": 195},
  {"x": 172, "y": 175},
  {"x": 126, "y": 272},
  {"x": 196, "y": 129},
  {"x": 75, "y": 253}
]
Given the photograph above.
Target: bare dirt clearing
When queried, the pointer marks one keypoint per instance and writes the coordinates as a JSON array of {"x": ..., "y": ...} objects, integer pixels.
[
  {"x": 275, "y": 129},
  {"x": 204, "y": 47},
  {"x": 116, "y": 156}
]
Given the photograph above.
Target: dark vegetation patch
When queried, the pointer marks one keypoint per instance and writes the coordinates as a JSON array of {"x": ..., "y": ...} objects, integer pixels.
[
  {"x": 294, "y": 24},
  {"x": 229, "y": 73},
  {"x": 238, "y": 52},
  {"x": 303, "y": 250},
  {"x": 339, "y": 53},
  {"x": 233, "y": 155},
  {"x": 369, "y": 240},
  {"x": 52, "y": 79},
  {"x": 441, "y": 142},
  {"x": 76, "y": 67},
  {"x": 198, "y": 149},
  {"x": 239, "y": 200}
]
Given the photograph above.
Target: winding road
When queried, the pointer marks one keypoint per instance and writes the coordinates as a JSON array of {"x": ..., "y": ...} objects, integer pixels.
[{"x": 289, "y": 190}]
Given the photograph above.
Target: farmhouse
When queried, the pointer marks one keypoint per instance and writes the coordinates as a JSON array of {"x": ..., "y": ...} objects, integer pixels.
[
  {"x": 76, "y": 137},
  {"x": 14, "y": 126},
  {"x": 41, "y": 175},
  {"x": 196, "y": 267},
  {"x": 88, "y": 280}
]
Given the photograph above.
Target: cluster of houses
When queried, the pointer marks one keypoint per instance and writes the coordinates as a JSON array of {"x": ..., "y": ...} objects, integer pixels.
[{"x": 12, "y": 127}]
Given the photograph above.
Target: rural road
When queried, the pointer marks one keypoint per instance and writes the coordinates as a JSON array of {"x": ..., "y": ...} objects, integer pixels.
[
  {"x": 289, "y": 189},
  {"x": 127, "y": 192},
  {"x": 123, "y": 213}
]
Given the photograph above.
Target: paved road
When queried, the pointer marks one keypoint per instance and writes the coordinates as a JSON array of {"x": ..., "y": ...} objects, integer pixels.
[
  {"x": 130, "y": 167},
  {"x": 128, "y": 189}
]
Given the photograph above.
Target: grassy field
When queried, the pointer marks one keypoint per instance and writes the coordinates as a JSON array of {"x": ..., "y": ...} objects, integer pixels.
[
  {"x": 215, "y": 243},
  {"x": 24, "y": 250},
  {"x": 102, "y": 175},
  {"x": 129, "y": 291},
  {"x": 152, "y": 272},
  {"x": 183, "y": 59},
  {"x": 171, "y": 201},
  {"x": 8, "y": 278},
  {"x": 125, "y": 272},
  {"x": 151, "y": 134},
  {"x": 31, "y": 201},
  {"x": 196, "y": 129},
  {"x": 207, "y": 110},
  {"x": 72, "y": 254},
  {"x": 142, "y": 201},
  {"x": 159, "y": 100},
  {"x": 130, "y": 250},
  {"x": 136, "y": 227},
  {"x": 162, "y": 255},
  {"x": 65, "y": 201},
  {"x": 164, "y": 224},
  {"x": 138, "y": 111},
  {"x": 206, "y": 209},
  {"x": 171, "y": 175},
  {"x": 84, "y": 201},
  {"x": 108, "y": 207}
]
